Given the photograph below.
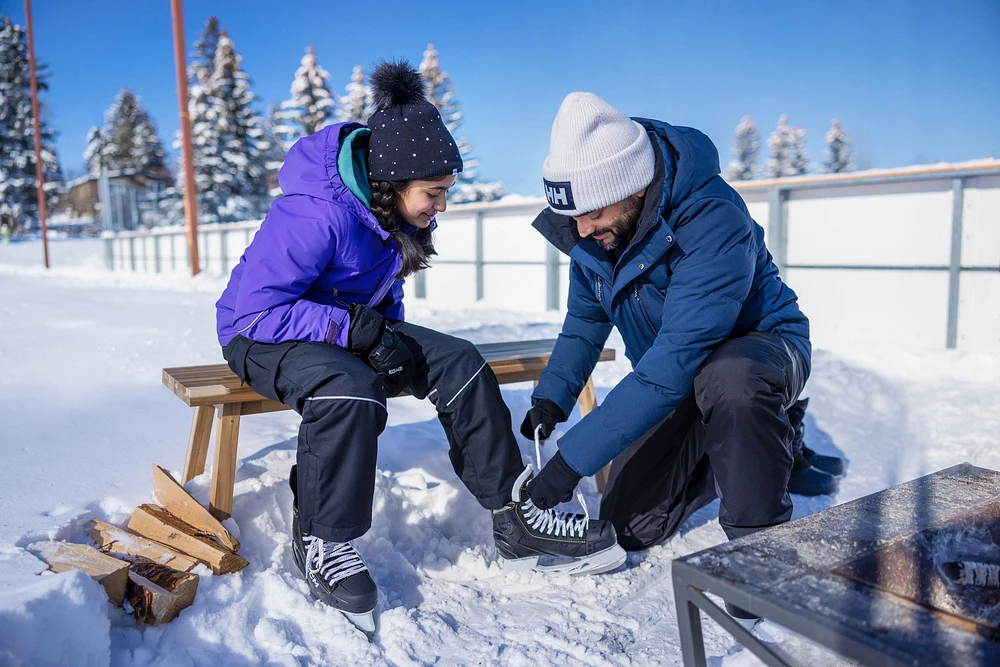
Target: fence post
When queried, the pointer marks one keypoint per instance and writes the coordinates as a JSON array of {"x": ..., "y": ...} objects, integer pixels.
[
  {"x": 955, "y": 265},
  {"x": 420, "y": 285},
  {"x": 156, "y": 253},
  {"x": 552, "y": 257},
  {"x": 224, "y": 256},
  {"x": 479, "y": 256},
  {"x": 777, "y": 236}
]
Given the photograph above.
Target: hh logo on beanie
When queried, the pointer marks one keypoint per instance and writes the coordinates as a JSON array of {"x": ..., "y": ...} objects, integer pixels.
[{"x": 560, "y": 195}]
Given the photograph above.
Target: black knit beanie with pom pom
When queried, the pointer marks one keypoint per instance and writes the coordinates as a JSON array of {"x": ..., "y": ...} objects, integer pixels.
[{"x": 409, "y": 140}]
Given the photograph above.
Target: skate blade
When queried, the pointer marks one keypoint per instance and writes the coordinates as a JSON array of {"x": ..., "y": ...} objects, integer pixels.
[
  {"x": 365, "y": 621},
  {"x": 596, "y": 563}
]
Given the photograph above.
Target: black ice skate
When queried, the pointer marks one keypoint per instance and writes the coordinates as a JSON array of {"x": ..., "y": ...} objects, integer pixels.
[
  {"x": 337, "y": 576},
  {"x": 524, "y": 534}
]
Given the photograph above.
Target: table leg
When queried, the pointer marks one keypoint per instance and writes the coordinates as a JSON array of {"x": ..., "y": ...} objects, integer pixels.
[{"x": 197, "y": 451}]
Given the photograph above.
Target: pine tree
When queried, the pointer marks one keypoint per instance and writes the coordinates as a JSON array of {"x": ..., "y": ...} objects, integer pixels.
[
  {"x": 203, "y": 59},
  {"x": 94, "y": 154},
  {"x": 788, "y": 152},
  {"x": 18, "y": 182},
  {"x": 356, "y": 105},
  {"x": 128, "y": 139},
  {"x": 838, "y": 157},
  {"x": 311, "y": 106},
  {"x": 239, "y": 181},
  {"x": 746, "y": 146},
  {"x": 441, "y": 93}
]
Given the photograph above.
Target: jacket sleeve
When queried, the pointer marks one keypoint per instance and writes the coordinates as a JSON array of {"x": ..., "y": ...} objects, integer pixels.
[
  {"x": 395, "y": 310},
  {"x": 706, "y": 291},
  {"x": 292, "y": 248},
  {"x": 584, "y": 332}
]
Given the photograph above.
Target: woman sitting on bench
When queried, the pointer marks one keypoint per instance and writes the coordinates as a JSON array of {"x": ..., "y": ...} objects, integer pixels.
[{"x": 313, "y": 317}]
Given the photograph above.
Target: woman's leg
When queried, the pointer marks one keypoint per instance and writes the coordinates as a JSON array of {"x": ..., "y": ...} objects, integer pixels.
[
  {"x": 343, "y": 410},
  {"x": 453, "y": 375}
]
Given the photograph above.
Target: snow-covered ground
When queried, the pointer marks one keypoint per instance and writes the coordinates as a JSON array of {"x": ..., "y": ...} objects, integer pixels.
[{"x": 83, "y": 417}]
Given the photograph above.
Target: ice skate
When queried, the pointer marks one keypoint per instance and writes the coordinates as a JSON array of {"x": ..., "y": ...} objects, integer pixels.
[
  {"x": 527, "y": 537},
  {"x": 337, "y": 576}
]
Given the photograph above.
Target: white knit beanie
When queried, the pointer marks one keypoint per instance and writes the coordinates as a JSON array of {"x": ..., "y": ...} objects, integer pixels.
[{"x": 597, "y": 156}]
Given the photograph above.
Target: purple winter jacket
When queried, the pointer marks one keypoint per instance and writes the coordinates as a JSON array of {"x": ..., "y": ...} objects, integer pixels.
[{"x": 318, "y": 242}]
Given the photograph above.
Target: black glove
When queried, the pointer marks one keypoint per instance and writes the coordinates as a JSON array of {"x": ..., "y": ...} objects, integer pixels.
[
  {"x": 371, "y": 337},
  {"x": 554, "y": 484},
  {"x": 544, "y": 412}
]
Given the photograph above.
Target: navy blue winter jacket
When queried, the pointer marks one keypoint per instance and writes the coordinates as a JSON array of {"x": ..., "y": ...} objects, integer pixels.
[{"x": 695, "y": 274}]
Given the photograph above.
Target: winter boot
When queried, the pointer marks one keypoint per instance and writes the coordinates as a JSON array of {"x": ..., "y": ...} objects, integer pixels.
[
  {"x": 742, "y": 616},
  {"x": 524, "y": 534},
  {"x": 336, "y": 573},
  {"x": 812, "y": 474}
]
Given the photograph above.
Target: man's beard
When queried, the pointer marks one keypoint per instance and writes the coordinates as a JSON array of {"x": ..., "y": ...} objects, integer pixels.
[{"x": 622, "y": 228}]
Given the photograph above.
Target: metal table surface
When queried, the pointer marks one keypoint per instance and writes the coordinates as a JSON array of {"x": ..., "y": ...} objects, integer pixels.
[{"x": 794, "y": 575}]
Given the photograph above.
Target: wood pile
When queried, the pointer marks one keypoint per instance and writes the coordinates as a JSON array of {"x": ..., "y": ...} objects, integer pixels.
[{"x": 149, "y": 561}]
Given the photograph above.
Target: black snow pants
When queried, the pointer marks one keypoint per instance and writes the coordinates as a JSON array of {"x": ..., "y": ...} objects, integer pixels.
[
  {"x": 730, "y": 439},
  {"x": 343, "y": 408}
]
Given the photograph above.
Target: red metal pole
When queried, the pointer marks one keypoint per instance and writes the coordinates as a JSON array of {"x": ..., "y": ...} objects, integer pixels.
[
  {"x": 39, "y": 165},
  {"x": 187, "y": 153}
]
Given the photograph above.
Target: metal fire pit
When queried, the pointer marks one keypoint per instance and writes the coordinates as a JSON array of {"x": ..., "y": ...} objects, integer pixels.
[{"x": 906, "y": 576}]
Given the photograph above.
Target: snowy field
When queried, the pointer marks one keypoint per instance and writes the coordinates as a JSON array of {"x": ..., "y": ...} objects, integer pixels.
[{"x": 83, "y": 416}]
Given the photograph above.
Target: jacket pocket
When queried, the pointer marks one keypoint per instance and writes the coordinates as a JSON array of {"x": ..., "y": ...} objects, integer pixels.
[{"x": 640, "y": 305}]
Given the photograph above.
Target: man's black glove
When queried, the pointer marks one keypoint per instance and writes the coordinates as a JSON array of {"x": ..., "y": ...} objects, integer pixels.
[
  {"x": 544, "y": 412},
  {"x": 554, "y": 484},
  {"x": 371, "y": 337}
]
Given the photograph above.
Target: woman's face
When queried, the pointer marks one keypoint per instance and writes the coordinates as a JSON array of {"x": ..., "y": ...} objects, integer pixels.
[{"x": 422, "y": 200}]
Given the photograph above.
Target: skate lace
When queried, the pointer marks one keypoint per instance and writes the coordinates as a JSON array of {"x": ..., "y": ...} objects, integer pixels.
[
  {"x": 550, "y": 521},
  {"x": 972, "y": 573},
  {"x": 333, "y": 561}
]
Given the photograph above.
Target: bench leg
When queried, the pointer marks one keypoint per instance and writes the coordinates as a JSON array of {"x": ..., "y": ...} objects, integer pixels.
[
  {"x": 197, "y": 452},
  {"x": 224, "y": 469},
  {"x": 587, "y": 402}
]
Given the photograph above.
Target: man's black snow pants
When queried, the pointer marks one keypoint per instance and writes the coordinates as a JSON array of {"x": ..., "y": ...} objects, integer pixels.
[
  {"x": 343, "y": 408},
  {"x": 730, "y": 439}
]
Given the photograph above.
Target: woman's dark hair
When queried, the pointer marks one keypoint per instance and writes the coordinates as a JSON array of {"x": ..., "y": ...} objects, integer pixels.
[{"x": 417, "y": 248}]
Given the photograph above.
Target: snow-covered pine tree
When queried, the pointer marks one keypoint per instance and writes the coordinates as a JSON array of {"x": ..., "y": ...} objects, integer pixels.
[
  {"x": 441, "y": 93},
  {"x": 203, "y": 59},
  {"x": 746, "y": 146},
  {"x": 18, "y": 182},
  {"x": 129, "y": 137},
  {"x": 238, "y": 180},
  {"x": 356, "y": 105},
  {"x": 787, "y": 148},
  {"x": 93, "y": 154},
  {"x": 838, "y": 157},
  {"x": 311, "y": 106},
  {"x": 272, "y": 148}
]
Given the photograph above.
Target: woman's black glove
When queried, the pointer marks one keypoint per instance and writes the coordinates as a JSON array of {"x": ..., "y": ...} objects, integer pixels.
[
  {"x": 371, "y": 337},
  {"x": 554, "y": 484},
  {"x": 544, "y": 412}
]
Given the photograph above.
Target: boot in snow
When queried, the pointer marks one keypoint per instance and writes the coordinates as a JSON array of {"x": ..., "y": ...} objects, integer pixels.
[
  {"x": 337, "y": 576},
  {"x": 812, "y": 474},
  {"x": 524, "y": 534}
]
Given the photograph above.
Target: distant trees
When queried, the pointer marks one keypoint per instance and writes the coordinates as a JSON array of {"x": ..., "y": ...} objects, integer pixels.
[
  {"x": 311, "y": 105},
  {"x": 356, "y": 105},
  {"x": 18, "y": 180},
  {"x": 838, "y": 157},
  {"x": 787, "y": 154},
  {"x": 746, "y": 146},
  {"x": 128, "y": 139}
]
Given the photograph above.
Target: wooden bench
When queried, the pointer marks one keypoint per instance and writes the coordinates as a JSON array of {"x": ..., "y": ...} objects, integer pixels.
[{"x": 216, "y": 395}]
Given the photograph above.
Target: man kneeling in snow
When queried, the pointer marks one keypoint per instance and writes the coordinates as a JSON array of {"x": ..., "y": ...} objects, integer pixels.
[{"x": 664, "y": 249}]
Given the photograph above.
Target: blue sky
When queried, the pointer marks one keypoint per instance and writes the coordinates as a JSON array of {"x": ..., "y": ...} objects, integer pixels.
[{"x": 912, "y": 80}]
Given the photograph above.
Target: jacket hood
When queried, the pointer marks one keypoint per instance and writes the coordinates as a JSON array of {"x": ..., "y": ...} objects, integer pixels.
[
  {"x": 311, "y": 169},
  {"x": 695, "y": 157}
]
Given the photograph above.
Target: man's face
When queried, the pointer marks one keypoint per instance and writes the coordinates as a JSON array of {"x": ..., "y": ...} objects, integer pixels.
[{"x": 614, "y": 225}]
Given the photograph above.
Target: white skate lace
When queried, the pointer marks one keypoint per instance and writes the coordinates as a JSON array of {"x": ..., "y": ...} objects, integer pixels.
[
  {"x": 333, "y": 561},
  {"x": 972, "y": 573},
  {"x": 550, "y": 521}
]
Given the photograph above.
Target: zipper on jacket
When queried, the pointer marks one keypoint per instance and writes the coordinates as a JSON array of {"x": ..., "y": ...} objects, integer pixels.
[
  {"x": 600, "y": 289},
  {"x": 642, "y": 308}
]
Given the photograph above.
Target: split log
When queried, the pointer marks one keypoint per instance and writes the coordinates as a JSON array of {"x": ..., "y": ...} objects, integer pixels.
[
  {"x": 112, "y": 539},
  {"x": 182, "y": 505},
  {"x": 157, "y": 592},
  {"x": 155, "y": 523},
  {"x": 109, "y": 572}
]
